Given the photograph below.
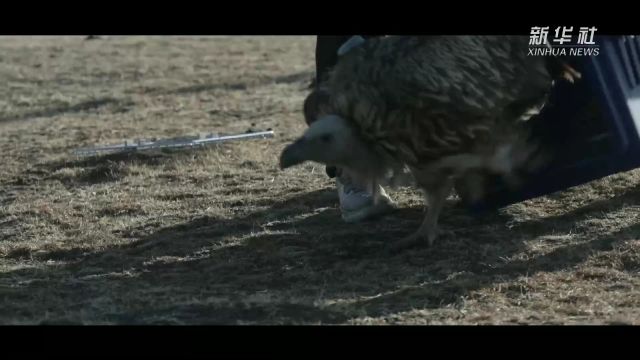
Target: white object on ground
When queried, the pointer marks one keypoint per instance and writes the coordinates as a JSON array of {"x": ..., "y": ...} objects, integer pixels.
[{"x": 180, "y": 142}]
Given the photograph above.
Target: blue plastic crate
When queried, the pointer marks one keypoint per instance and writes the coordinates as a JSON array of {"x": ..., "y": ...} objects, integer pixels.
[{"x": 594, "y": 125}]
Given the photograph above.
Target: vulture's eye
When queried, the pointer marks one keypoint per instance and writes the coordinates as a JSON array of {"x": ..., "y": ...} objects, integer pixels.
[{"x": 326, "y": 138}]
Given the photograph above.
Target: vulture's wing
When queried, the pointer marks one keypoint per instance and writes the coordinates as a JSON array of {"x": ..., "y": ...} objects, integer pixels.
[{"x": 426, "y": 97}]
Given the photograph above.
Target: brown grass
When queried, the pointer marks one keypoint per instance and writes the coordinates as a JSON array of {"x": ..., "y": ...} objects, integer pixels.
[{"x": 222, "y": 236}]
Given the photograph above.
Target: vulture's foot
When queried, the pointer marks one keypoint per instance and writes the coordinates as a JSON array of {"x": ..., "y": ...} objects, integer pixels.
[
  {"x": 412, "y": 241},
  {"x": 426, "y": 237}
]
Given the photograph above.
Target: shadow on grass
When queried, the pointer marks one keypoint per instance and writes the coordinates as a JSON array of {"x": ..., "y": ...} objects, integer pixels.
[{"x": 293, "y": 262}]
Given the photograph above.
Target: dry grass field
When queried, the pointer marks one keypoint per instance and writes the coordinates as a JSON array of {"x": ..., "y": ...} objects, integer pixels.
[{"x": 222, "y": 236}]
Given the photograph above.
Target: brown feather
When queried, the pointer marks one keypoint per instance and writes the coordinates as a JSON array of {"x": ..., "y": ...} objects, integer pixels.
[{"x": 434, "y": 96}]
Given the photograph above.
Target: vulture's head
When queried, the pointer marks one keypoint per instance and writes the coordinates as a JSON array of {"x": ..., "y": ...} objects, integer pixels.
[{"x": 331, "y": 141}]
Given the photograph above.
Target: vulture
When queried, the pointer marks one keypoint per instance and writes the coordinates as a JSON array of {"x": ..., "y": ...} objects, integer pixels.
[{"x": 447, "y": 108}]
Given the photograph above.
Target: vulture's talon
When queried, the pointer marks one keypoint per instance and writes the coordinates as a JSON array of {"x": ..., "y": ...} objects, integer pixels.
[
  {"x": 412, "y": 240},
  {"x": 427, "y": 238}
]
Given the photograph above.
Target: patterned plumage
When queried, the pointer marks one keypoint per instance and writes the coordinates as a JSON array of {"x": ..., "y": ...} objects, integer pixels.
[{"x": 447, "y": 107}]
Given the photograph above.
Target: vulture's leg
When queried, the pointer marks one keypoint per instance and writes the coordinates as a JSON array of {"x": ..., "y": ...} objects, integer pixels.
[
  {"x": 437, "y": 189},
  {"x": 436, "y": 195},
  {"x": 374, "y": 189}
]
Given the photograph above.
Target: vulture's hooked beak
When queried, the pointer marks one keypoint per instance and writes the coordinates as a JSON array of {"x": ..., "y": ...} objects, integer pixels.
[{"x": 292, "y": 154}]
